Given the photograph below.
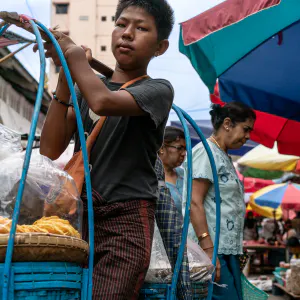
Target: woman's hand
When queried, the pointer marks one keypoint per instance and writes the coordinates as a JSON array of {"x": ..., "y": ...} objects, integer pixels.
[{"x": 209, "y": 252}]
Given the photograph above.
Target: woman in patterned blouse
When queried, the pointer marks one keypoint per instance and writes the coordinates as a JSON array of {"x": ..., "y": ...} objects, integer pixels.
[{"x": 232, "y": 126}]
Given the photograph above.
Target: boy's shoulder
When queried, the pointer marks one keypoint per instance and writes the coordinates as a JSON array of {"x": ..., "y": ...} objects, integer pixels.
[
  {"x": 158, "y": 81},
  {"x": 158, "y": 84}
]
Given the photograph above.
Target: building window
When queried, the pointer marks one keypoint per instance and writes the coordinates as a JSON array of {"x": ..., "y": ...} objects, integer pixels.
[
  {"x": 113, "y": 18},
  {"x": 57, "y": 69},
  {"x": 103, "y": 18},
  {"x": 62, "y": 9},
  {"x": 103, "y": 48},
  {"x": 83, "y": 18}
]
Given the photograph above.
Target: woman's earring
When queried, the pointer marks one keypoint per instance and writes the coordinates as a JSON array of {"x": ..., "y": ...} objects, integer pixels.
[
  {"x": 227, "y": 128},
  {"x": 156, "y": 54}
]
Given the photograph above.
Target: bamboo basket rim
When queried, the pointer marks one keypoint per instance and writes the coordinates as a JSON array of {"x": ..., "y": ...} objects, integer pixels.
[{"x": 45, "y": 240}]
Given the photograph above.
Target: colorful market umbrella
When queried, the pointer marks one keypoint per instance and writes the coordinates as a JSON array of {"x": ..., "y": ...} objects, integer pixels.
[
  {"x": 286, "y": 195},
  {"x": 265, "y": 211},
  {"x": 252, "y": 48},
  {"x": 252, "y": 185},
  {"x": 270, "y": 129},
  {"x": 269, "y": 159}
]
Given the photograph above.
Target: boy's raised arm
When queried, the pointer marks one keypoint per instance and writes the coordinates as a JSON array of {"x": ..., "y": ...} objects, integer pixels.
[
  {"x": 60, "y": 123},
  {"x": 100, "y": 99}
]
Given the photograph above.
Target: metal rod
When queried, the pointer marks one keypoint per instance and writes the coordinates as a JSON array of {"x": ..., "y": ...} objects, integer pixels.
[
  {"x": 16, "y": 212},
  {"x": 15, "y": 52},
  {"x": 16, "y": 19},
  {"x": 188, "y": 202},
  {"x": 84, "y": 154},
  {"x": 217, "y": 193},
  {"x": 3, "y": 29}
]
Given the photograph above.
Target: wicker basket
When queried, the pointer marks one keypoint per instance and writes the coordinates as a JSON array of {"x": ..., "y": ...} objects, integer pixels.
[{"x": 35, "y": 247}]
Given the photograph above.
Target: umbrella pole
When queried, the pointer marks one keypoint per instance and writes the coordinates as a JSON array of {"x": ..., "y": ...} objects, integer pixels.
[
  {"x": 15, "y": 52},
  {"x": 275, "y": 223}
]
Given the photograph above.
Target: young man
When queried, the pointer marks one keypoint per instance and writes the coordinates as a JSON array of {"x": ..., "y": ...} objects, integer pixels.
[{"x": 123, "y": 157}]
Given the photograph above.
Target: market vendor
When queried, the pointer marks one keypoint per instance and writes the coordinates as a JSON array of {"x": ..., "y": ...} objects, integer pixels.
[{"x": 124, "y": 183}]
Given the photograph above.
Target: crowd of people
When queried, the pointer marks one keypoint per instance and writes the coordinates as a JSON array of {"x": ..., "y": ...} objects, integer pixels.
[{"x": 272, "y": 231}]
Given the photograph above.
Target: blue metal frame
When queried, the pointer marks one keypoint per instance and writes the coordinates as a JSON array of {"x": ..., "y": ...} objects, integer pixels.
[
  {"x": 84, "y": 155},
  {"x": 182, "y": 115},
  {"x": 217, "y": 194},
  {"x": 16, "y": 213},
  {"x": 188, "y": 202},
  {"x": 9, "y": 251},
  {"x": 3, "y": 29}
]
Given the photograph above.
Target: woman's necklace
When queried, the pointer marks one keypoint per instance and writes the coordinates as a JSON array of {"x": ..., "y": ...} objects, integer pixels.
[{"x": 215, "y": 142}]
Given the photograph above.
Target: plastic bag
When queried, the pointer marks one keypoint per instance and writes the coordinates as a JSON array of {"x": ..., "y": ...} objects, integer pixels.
[
  {"x": 160, "y": 270},
  {"x": 48, "y": 191},
  {"x": 200, "y": 265},
  {"x": 10, "y": 142}
]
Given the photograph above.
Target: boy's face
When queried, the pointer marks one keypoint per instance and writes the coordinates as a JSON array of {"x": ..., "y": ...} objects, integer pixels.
[{"x": 134, "y": 39}]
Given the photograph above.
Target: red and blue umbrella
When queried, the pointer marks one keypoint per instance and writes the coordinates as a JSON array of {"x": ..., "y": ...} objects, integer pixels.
[
  {"x": 252, "y": 48},
  {"x": 286, "y": 195}
]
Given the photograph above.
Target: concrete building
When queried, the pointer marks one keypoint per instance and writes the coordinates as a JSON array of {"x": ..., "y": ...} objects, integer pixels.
[
  {"x": 88, "y": 22},
  {"x": 17, "y": 96}
]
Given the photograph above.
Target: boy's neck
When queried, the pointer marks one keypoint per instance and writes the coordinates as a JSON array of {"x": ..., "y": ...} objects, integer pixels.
[{"x": 122, "y": 76}]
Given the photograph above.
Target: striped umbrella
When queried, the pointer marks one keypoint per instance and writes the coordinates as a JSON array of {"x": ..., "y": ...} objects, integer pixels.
[
  {"x": 251, "y": 48},
  {"x": 286, "y": 195}
]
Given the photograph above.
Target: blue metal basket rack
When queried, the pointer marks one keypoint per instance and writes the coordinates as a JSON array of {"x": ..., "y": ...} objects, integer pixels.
[
  {"x": 65, "y": 281},
  {"x": 47, "y": 280},
  {"x": 199, "y": 291}
]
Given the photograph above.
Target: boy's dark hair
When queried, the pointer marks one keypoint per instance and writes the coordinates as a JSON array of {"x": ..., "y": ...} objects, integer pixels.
[
  {"x": 237, "y": 112},
  {"x": 172, "y": 134},
  {"x": 160, "y": 9}
]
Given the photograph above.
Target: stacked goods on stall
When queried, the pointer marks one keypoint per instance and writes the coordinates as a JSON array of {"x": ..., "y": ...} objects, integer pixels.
[{"x": 293, "y": 277}]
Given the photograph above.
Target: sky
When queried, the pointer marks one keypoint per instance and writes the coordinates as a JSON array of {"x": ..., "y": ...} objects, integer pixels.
[{"x": 190, "y": 92}]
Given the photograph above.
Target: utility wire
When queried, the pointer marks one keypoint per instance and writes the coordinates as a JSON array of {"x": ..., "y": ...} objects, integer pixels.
[{"x": 30, "y": 9}]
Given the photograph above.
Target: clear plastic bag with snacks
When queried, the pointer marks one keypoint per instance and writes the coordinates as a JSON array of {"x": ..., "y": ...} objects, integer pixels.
[
  {"x": 50, "y": 202},
  {"x": 160, "y": 270}
]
